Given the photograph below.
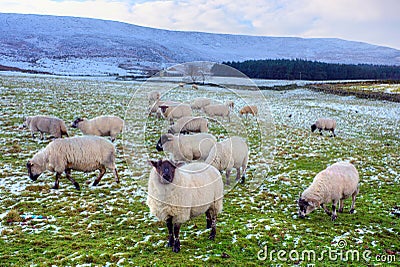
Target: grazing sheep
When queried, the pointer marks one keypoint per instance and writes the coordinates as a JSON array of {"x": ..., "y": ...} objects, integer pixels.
[
  {"x": 154, "y": 108},
  {"x": 187, "y": 147},
  {"x": 181, "y": 85},
  {"x": 178, "y": 193},
  {"x": 190, "y": 124},
  {"x": 230, "y": 153},
  {"x": 100, "y": 126},
  {"x": 200, "y": 102},
  {"x": 324, "y": 124},
  {"x": 46, "y": 124},
  {"x": 253, "y": 110},
  {"x": 195, "y": 86},
  {"x": 83, "y": 153},
  {"x": 153, "y": 96},
  {"x": 217, "y": 110},
  {"x": 230, "y": 104},
  {"x": 332, "y": 185},
  {"x": 176, "y": 112}
]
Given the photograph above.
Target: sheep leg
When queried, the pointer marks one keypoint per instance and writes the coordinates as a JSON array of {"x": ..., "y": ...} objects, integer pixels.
[
  {"x": 170, "y": 232},
  {"x": 41, "y": 135},
  {"x": 341, "y": 205},
  {"x": 353, "y": 201},
  {"x": 33, "y": 135},
  {"x": 213, "y": 227},
  {"x": 116, "y": 175},
  {"x": 68, "y": 174},
  {"x": 208, "y": 219},
  {"x": 333, "y": 133},
  {"x": 57, "y": 182},
  {"x": 244, "y": 172},
  {"x": 177, "y": 243},
  {"x": 320, "y": 132},
  {"x": 102, "y": 172},
  {"x": 326, "y": 210},
  {"x": 334, "y": 215},
  {"x": 237, "y": 174},
  {"x": 227, "y": 174}
]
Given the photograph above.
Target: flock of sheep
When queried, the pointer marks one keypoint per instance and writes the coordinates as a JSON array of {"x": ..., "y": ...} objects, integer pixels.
[{"x": 189, "y": 182}]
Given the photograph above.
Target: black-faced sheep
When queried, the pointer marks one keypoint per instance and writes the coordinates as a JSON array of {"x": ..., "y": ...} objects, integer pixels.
[
  {"x": 178, "y": 193},
  {"x": 176, "y": 112},
  {"x": 189, "y": 125},
  {"x": 84, "y": 153},
  {"x": 46, "y": 124},
  {"x": 187, "y": 147},
  {"x": 100, "y": 126},
  {"x": 332, "y": 185},
  {"x": 230, "y": 153},
  {"x": 324, "y": 124}
]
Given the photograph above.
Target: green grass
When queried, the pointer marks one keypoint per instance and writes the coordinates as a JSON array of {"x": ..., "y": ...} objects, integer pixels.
[{"x": 111, "y": 225}]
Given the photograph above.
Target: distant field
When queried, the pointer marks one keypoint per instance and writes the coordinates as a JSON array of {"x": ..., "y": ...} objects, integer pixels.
[{"x": 110, "y": 225}]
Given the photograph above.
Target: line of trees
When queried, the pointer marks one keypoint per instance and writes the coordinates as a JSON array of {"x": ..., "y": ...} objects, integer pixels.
[{"x": 299, "y": 69}]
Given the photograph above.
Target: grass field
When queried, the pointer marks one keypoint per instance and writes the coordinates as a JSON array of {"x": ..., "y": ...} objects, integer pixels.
[{"x": 110, "y": 225}]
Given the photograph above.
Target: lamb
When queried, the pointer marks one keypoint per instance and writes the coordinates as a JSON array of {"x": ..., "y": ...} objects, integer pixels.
[
  {"x": 46, "y": 124},
  {"x": 153, "y": 96},
  {"x": 84, "y": 153},
  {"x": 230, "y": 104},
  {"x": 176, "y": 112},
  {"x": 332, "y": 185},
  {"x": 230, "y": 153},
  {"x": 324, "y": 124},
  {"x": 217, "y": 110},
  {"x": 190, "y": 124},
  {"x": 187, "y": 147},
  {"x": 100, "y": 126},
  {"x": 253, "y": 110},
  {"x": 177, "y": 193},
  {"x": 200, "y": 102}
]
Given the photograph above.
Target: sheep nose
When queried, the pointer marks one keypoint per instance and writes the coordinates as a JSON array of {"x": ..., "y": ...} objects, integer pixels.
[{"x": 301, "y": 216}]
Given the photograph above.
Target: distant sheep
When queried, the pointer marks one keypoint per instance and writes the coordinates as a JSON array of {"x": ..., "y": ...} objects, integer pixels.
[
  {"x": 200, "y": 102},
  {"x": 83, "y": 153},
  {"x": 230, "y": 153},
  {"x": 324, "y": 124},
  {"x": 253, "y": 110},
  {"x": 187, "y": 147},
  {"x": 189, "y": 124},
  {"x": 46, "y": 124},
  {"x": 332, "y": 185},
  {"x": 153, "y": 96},
  {"x": 100, "y": 126},
  {"x": 181, "y": 85},
  {"x": 195, "y": 86},
  {"x": 176, "y": 112},
  {"x": 217, "y": 110},
  {"x": 177, "y": 193},
  {"x": 230, "y": 104}
]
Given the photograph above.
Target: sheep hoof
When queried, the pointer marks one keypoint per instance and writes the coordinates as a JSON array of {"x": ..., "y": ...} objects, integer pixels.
[
  {"x": 77, "y": 186},
  {"x": 95, "y": 183},
  {"x": 170, "y": 243},
  {"x": 351, "y": 211},
  {"x": 340, "y": 210},
  {"x": 242, "y": 180},
  {"x": 334, "y": 217},
  {"x": 177, "y": 246},
  {"x": 54, "y": 187}
]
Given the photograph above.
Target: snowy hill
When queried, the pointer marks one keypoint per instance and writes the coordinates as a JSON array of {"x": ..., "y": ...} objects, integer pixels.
[{"x": 69, "y": 45}]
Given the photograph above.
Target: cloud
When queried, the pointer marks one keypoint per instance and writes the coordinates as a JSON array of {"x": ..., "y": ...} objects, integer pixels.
[{"x": 373, "y": 21}]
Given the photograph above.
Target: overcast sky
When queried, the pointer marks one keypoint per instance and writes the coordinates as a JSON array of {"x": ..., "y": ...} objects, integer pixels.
[{"x": 371, "y": 21}]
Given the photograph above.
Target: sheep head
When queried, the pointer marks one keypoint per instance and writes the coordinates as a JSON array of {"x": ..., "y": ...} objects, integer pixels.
[
  {"x": 306, "y": 206},
  {"x": 163, "y": 139},
  {"x": 313, "y": 127},
  {"x": 34, "y": 170},
  {"x": 165, "y": 170},
  {"x": 76, "y": 122}
]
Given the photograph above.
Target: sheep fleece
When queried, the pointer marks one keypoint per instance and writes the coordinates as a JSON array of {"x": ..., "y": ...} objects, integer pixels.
[{"x": 196, "y": 188}]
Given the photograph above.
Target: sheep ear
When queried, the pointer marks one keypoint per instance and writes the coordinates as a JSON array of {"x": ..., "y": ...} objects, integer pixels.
[
  {"x": 179, "y": 164},
  {"x": 152, "y": 163}
]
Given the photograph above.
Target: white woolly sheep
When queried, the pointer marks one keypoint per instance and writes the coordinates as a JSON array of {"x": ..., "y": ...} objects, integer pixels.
[
  {"x": 181, "y": 85},
  {"x": 195, "y": 86},
  {"x": 190, "y": 124},
  {"x": 46, "y": 124},
  {"x": 332, "y": 185},
  {"x": 100, "y": 126},
  {"x": 176, "y": 112},
  {"x": 217, "y": 110},
  {"x": 253, "y": 110},
  {"x": 200, "y": 102},
  {"x": 154, "y": 108},
  {"x": 230, "y": 104},
  {"x": 187, "y": 147},
  {"x": 83, "y": 153},
  {"x": 178, "y": 193},
  {"x": 324, "y": 124},
  {"x": 230, "y": 153},
  {"x": 153, "y": 96}
]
